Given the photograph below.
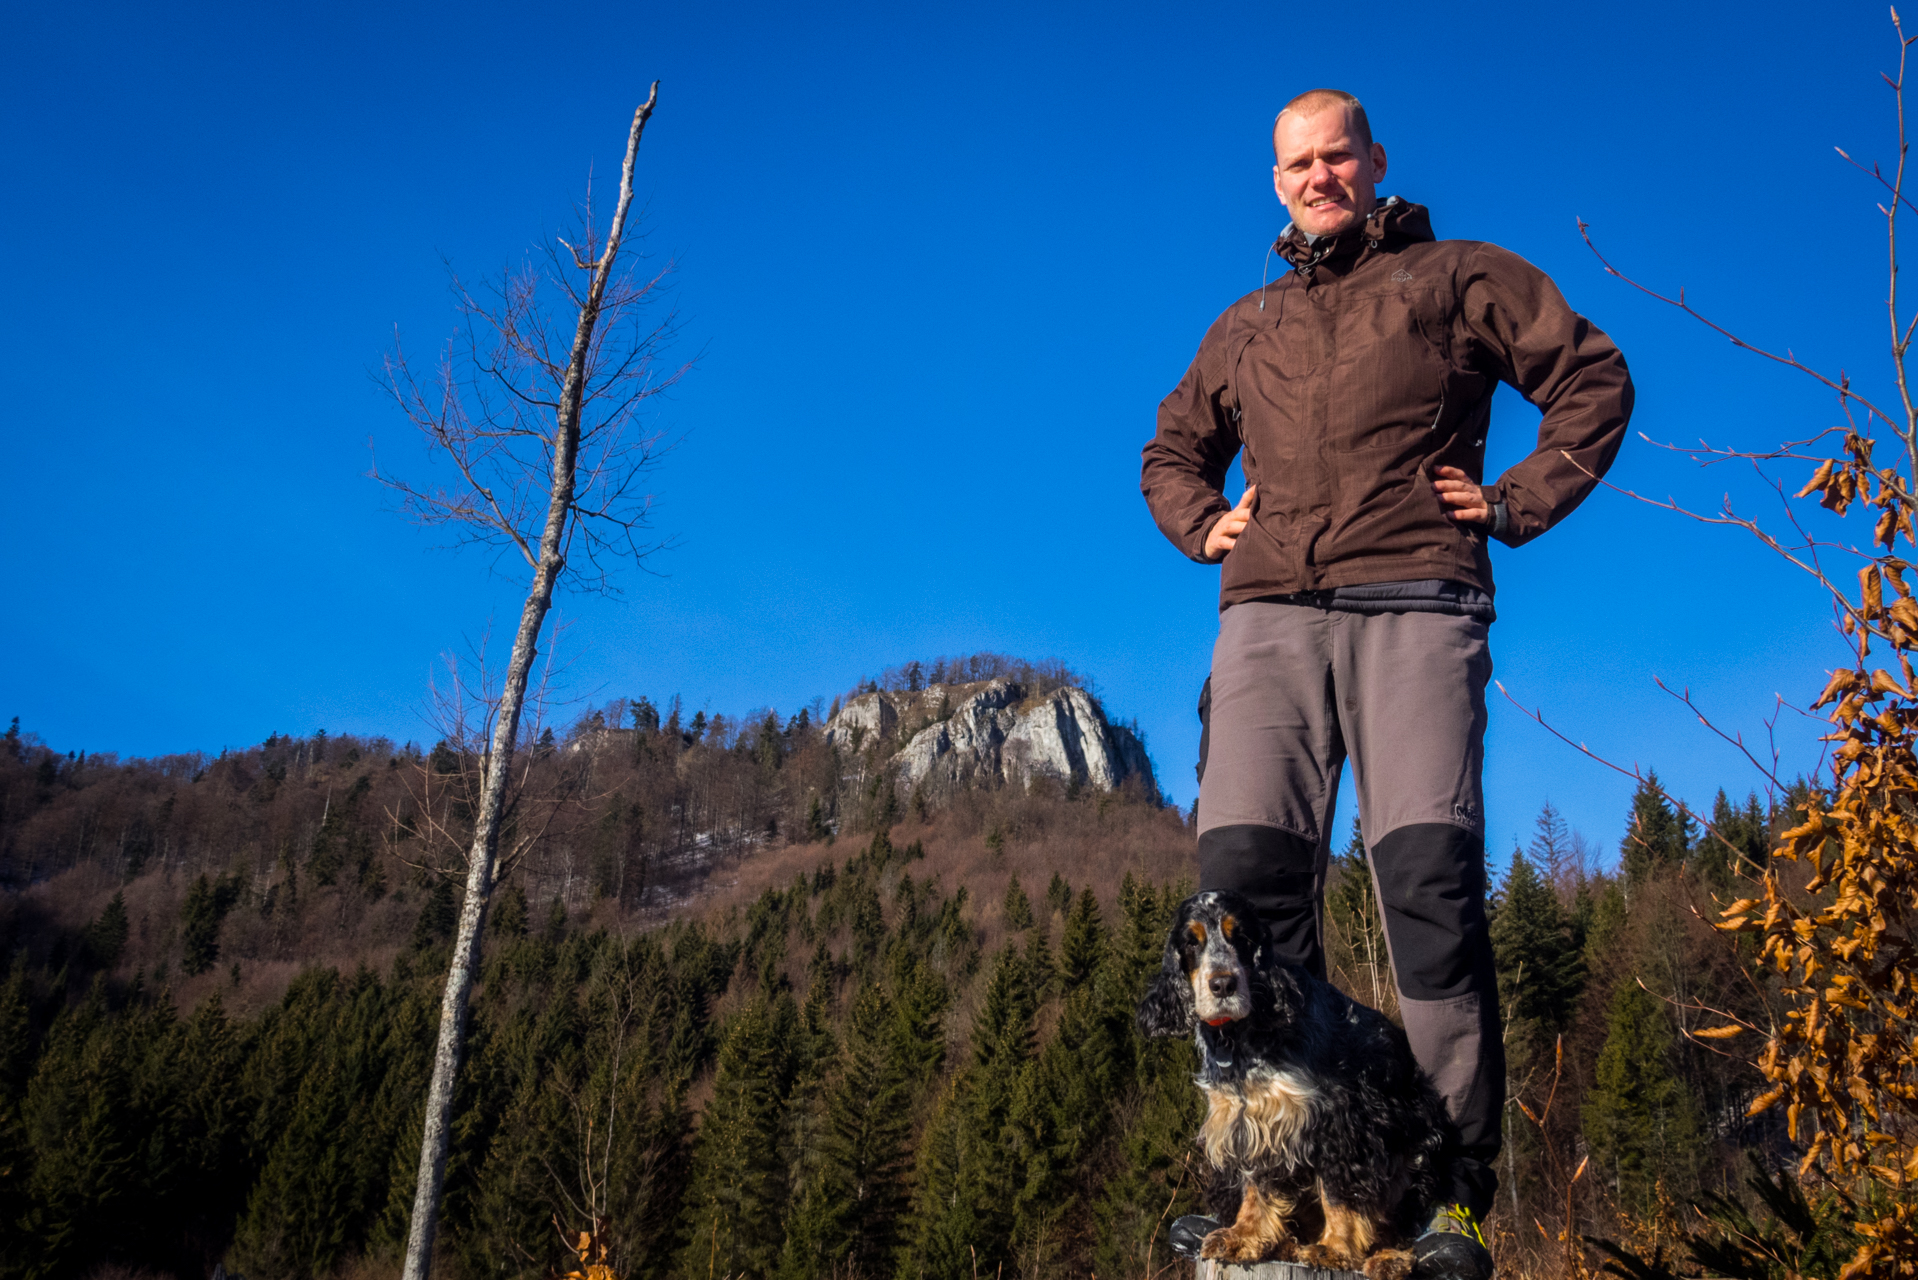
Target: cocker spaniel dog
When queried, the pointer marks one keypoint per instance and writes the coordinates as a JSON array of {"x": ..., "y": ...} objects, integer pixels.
[{"x": 1315, "y": 1106}]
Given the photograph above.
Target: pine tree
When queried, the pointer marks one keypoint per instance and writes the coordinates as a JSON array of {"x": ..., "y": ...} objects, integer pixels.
[
  {"x": 106, "y": 937},
  {"x": 868, "y": 922},
  {"x": 18, "y": 1252},
  {"x": 645, "y": 715},
  {"x": 1058, "y": 895},
  {"x": 1540, "y": 968},
  {"x": 637, "y": 1105},
  {"x": 503, "y": 1212},
  {"x": 210, "y": 1174},
  {"x": 1655, "y": 835},
  {"x": 1139, "y": 950},
  {"x": 1058, "y": 1115},
  {"x": 1540, "y": 962},
  {"x": 818, "y": 830},
  {"x": 510, "y": 912},
  {"x": 327, "y": 1170},
  {"x": 79, "y": 1126},
  {"x": 17, "y": 1049},
  {"x": 1001, "y": 1039},
  {"x": 733, "y": 1198},
  {"x": 199, "y": 929},
  {"x": 1038, "y": 958},
  {"x": 1551, "y": 848},
  {"x": 918, "y": 1032},
  {"x": 438, "y": 914},
  {"x": 1638, "y": 1118},
  {"x": 109, "y": 1156},
  {"x": 1157, "y": 1179},
  {"x": 1083, "y": 946},
  {"x": 945, "y": 1221},
  {"x": 1603, "y": 911},
  {"x": 814, "y": 1211},
  {"x": 965, "y": 1175},
  {"x": 869, "y": 1125},
  {"x": 1739, "y": 843},
  {"x": 1018, "y": 908}
]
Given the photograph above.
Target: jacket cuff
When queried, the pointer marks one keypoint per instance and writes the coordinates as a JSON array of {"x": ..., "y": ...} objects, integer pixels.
[
  {"x": 1197, "y": 554},
  {"x": 1505, "y": 521}
]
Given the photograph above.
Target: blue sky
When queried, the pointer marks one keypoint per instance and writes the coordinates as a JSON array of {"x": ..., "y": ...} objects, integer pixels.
[{"x": 939, "y": 265}]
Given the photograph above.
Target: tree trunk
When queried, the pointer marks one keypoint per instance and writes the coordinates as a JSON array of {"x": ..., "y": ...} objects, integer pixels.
[{"x": 498, "y": 764}]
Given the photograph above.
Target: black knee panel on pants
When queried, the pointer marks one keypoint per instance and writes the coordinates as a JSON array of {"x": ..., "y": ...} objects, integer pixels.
[
  {"x": 1431, "y": 879},
  {"x": 1277, "y": 871},
  {"x": 1205, "y": 724}
]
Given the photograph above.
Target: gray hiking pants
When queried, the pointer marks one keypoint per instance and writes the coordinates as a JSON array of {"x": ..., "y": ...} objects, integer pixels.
[{"x": 1295, "y": 690}]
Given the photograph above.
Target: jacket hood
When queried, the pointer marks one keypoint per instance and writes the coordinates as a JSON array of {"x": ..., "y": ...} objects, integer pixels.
[{"x": 1392, "y": 222}]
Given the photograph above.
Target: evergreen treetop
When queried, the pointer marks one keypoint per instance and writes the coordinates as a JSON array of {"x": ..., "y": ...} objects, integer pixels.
[{"x": 1656, "y": 836}]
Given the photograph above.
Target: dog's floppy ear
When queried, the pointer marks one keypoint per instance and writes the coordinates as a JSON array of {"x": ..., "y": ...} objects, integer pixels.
[
  {"x": 1167, "y": 1008},
  {"x": 1282, "y": 981},
  {"x": 1257, "y": 940}
]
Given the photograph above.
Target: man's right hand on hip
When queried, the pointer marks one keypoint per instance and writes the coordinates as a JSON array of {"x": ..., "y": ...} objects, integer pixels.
[{"x": 1225, "y": 534}]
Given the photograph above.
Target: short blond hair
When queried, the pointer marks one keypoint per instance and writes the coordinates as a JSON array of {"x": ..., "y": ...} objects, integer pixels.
[{"x": 1313, "y": 101}]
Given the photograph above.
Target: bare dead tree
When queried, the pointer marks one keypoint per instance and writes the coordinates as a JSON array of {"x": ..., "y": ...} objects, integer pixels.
[{"x": 536, "y": 409}]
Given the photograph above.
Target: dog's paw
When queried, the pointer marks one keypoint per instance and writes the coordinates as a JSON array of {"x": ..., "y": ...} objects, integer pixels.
[
  {"x": 1229, "y": 1245},
  {"x": 1389, "y": 1264},
  {"x": 1327, "y": 1258},
  {"x": 1217, "y": 1245}
]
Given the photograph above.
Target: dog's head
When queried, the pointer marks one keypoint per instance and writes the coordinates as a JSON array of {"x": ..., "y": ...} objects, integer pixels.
[{"x": 1212, "y": 958}]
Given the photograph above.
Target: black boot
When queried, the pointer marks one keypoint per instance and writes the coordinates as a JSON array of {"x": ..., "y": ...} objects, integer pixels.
[
  {"x": 1452, "y": 1248},
  {"x": 1189, "y": 1232}
]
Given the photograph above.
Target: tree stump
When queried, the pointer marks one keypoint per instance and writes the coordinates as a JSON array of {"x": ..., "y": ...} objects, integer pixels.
[{"x": 1213, "y": 1270}]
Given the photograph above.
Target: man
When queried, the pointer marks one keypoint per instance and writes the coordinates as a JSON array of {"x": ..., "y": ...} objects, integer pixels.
[{"x": 1356, "y": 595}]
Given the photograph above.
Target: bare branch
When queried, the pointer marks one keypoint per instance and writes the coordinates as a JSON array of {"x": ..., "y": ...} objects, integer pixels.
[
  {"x": 1735, "y": 739},
  {"x": 1632, "y": 773},
  {"x": 1840, "y": 384}
]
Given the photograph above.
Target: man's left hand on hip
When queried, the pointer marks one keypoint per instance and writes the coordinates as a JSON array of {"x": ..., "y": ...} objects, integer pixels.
[{"x": 1464, "y": 501}]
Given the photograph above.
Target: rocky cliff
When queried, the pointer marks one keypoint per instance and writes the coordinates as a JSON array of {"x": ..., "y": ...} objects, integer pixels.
[{"x": 988, "y": 734}]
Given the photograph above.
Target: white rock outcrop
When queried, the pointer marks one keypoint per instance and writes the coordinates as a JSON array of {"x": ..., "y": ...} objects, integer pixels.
[
  {"x": 989, "y": 734},
  {"x": 864, "y": 720}
]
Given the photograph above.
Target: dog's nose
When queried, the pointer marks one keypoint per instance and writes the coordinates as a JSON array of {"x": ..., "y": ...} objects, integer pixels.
[{"x": 1223, "y": 985}]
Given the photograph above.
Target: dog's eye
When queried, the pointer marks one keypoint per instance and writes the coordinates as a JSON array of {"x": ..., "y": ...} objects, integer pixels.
[
  {"x": 1196, "y": 931},
  {"x": 1228, "y": 925}
]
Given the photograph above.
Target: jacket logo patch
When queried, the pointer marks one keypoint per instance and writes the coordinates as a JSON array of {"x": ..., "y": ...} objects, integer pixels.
[{"x": 1402, "y": 276}]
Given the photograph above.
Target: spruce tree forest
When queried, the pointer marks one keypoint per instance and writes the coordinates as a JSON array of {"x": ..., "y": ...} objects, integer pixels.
[{"x": 745, "y": 1012}]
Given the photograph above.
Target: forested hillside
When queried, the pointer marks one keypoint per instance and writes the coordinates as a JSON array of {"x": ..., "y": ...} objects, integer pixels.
[{"x": 746, "y": 1008}]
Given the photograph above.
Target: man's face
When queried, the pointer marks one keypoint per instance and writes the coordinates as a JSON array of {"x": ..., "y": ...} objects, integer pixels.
[{"x": 1326, "y": 179}]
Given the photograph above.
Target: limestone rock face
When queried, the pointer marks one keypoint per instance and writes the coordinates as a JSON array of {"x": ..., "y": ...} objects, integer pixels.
[
  {"x": 1067, "y": 736},
  {"x": 864, "y": 720},
  {"x": 989, "y": 734}
]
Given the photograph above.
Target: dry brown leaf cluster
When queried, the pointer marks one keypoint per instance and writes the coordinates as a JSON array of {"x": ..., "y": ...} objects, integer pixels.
[
  {"x": 592, "y": 1256},
  {"x": 1843, "y": 1063}
]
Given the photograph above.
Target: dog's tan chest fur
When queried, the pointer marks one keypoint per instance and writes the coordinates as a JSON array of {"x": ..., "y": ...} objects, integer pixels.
[{"x": 1255, "y": 1124}]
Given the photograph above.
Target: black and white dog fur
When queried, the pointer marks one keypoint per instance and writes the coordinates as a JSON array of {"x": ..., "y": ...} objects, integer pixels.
[{"x": 1316, "y": 1107}]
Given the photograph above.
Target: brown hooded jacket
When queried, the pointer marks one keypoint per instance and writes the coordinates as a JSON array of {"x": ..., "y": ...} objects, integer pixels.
[{"x": 1350, "y": 380}]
